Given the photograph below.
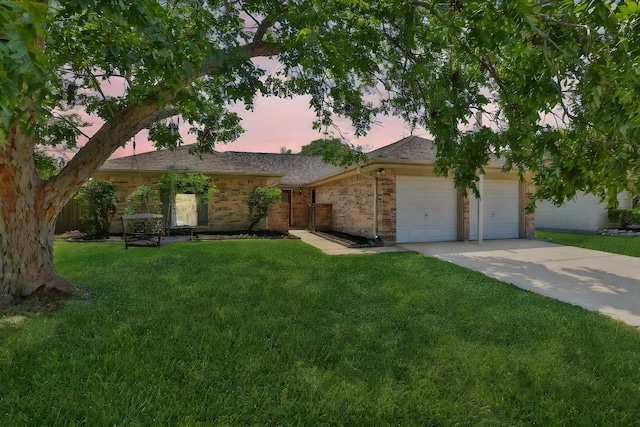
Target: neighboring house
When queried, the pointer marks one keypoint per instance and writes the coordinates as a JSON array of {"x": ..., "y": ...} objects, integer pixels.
[
  {"x": 585, "y": 213},
  {"x": 395, "y": 196}
]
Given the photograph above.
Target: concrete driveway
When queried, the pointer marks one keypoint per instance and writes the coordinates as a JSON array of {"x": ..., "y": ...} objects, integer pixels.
[{"x": 595, "y": 280}]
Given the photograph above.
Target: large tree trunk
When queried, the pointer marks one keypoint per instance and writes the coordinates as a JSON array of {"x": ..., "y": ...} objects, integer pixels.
[
  {"x": 26, "y": 258},
  {"x": 29, "y": 205},
  {"x": 26, "y": 226}
]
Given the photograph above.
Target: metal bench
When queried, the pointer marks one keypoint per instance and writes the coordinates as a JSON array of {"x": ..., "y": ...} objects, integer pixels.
[{"x": 142, "y": 230}]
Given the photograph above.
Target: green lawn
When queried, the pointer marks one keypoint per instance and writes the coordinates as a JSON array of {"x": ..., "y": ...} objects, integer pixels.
[
  {"x": 624, "y": 245},
  {"x": 273, "y": 332}
]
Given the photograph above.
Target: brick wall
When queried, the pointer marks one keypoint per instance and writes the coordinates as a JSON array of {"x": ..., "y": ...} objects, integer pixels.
[
  {"x": 125, "y": 185},
  {"x": 529, "y": 218},
  {"x": 228, "y": 209},
  {"x": 466, "y": 217},
  {"x": 321, "y": 218},
  {"x": 387, "y": 206},
  {"x": 350, "y": 199},
  {"x": 300, "y": 203},
  {"x": 352, "y": 204},
  {"x": 278, "y": 218}
]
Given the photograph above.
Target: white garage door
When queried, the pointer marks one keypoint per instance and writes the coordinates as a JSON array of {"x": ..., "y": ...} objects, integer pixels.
[
  {"x": 501, "y": 211},
  {"x": 426, "y": 209}
]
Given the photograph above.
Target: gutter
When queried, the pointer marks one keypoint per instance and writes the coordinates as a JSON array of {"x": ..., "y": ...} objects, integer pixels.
[{"x": 375, "y": 201}]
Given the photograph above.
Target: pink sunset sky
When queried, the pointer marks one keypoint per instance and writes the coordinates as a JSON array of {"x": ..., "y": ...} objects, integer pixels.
[{"x": 275, "y": 123}]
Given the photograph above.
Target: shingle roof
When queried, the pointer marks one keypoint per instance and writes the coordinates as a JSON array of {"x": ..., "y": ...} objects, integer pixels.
[
  {"x": 409, "y": 148},
  {"x": 294, "y": 169},
  {"x": 417, "y": 149}
]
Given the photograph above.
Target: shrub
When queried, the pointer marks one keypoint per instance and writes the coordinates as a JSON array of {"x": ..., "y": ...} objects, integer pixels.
[
  {"x": 97, "y": 200},
  {"x": 614, "y": 215},
  {"x": 143, "y": 200},
  {"x": 629, "y": 217},
  {"x": 259, "y": 202},
  {"x": 626, "y": 217}
]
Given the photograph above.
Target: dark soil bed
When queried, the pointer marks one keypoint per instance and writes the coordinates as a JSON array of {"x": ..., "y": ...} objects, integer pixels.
[
  {"x": 93, "y": 237},
  {"x": 256, "y": 233},
  {"x": 349, "y": 240},
  {"x": 200, "y": 235},
  {"x": 224, "y": 235}
]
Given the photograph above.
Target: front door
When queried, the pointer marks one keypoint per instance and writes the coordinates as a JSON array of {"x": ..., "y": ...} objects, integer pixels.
[{"x": 286, "y": 198}]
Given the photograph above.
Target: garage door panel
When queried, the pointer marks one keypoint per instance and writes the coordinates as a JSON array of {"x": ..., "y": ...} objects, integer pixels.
[
  {"x": 440, "y": 234},
  {"x": 440, "y": 215},
  {"x": 501, "y": 211},
  {"x": 415, "y": 217},
  {"x": 426, "y": 209},
  {"x": 416, "y": 201}
]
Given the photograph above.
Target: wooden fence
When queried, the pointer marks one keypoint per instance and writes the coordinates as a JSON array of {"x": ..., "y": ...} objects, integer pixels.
[{"x": 69, "y": 219}]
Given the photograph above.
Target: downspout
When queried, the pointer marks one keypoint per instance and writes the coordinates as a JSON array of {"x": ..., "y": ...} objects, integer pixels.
[{"x": 375, "y": 201}]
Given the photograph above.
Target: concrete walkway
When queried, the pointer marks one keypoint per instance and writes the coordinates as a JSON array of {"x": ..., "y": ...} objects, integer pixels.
[
  {"x": 597, "y": 281},
  {"x": 332, "y": 248}
]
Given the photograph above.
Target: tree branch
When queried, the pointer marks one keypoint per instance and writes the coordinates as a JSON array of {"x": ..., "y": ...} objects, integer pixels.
[
  {"x": 164, "y": 113},
  {"x": 66, "y": 120},
  {"x": 262, "y": 29},
  {"x": 125, "y": 124},
  {"x": 251, "y": 50},
  {"x": 99, "y": 89}
]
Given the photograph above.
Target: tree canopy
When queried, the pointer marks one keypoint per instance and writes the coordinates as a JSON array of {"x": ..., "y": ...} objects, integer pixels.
[
  {"x": 318, "y": 146},
  {"x": 556, "y": 81},
  {"x": 435, "y": 63},
  {"x": 334, "y": 151}
]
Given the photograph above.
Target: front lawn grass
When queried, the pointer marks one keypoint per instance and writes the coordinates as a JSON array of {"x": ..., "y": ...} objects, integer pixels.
[
  {"x": 623, "y": 245},
  {"x": 273, "y": 332}
]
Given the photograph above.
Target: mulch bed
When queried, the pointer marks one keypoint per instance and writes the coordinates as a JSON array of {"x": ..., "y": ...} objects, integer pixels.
[
  {"x": 349, "y": 240},
  {"x": 229, "y": 235},
  {"x": 345, "y": 239},
  {"x": 206, "y": 235}
]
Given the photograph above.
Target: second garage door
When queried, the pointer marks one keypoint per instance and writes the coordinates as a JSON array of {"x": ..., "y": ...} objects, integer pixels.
[
  {"x": 501, "y": 211},
  {"x": 426, "y": 209}
]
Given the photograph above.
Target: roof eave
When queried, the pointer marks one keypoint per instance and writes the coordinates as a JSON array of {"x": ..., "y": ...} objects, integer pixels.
[{"x": 209, "y": 173}]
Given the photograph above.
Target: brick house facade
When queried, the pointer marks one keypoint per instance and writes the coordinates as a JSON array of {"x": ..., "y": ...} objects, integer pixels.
[
  {"x": 351, "y": 198},
  {"x": 363, "y": 200}
]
